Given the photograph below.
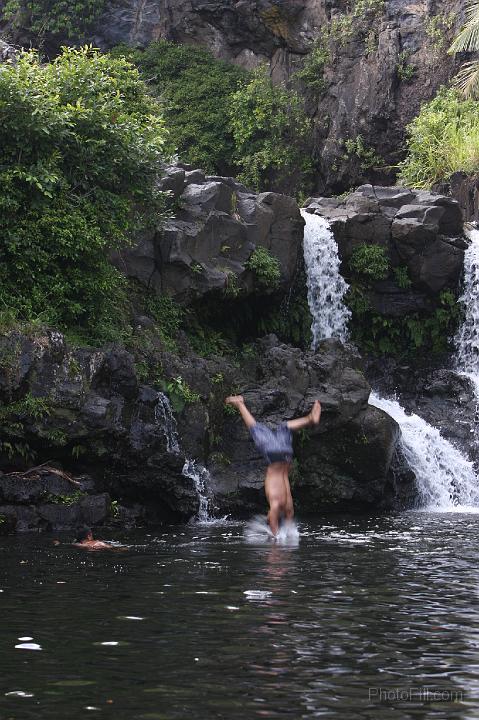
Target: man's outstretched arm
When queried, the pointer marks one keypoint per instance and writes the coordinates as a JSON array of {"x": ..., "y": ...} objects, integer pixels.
[
  {"x": 238, "y": 402},
  {"x": 312, "y": 419}
]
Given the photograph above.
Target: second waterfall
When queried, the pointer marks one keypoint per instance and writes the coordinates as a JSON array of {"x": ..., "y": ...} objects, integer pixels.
[{"x": 446, "y": 480}]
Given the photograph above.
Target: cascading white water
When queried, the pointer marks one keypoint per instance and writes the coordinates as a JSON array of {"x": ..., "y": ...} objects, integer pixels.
[
  {"x": 200, "y": 477},
  {"x": 445, "y": 478},
  {"x": 467, "y": 339},
  {"x": 191, "y": 469},
  {"x": 166, "y": 420},
  {"x": 326, "y": 286}
]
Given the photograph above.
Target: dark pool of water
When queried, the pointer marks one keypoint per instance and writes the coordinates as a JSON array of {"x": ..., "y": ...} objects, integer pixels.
[{"x": 368, "y": 618}]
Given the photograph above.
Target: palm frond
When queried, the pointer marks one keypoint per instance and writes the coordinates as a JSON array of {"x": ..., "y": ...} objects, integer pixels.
[
  {"x": 468, "y": 38},
  {"x": 467, "y": 79}
]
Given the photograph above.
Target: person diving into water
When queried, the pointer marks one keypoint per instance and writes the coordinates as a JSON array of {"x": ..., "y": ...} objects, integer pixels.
[{"x": 276, "y": 446}]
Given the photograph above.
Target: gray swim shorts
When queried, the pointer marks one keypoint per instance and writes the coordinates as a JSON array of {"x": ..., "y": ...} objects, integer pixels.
[{"x": 274, "y": 445}]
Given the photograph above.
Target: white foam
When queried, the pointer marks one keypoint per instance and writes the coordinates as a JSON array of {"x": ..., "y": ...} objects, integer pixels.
[{"x": 446, "y": 480}]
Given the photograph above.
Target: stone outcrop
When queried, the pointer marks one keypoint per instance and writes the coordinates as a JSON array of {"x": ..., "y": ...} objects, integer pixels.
[
  {"x": 86, "y": 409},
  {"x": 344, "y": 464},
  {"x": 420, "y": 231},
  {"x": 204, "y": 249}
]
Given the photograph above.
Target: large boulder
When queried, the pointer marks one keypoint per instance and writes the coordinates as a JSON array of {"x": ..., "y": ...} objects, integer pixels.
[
  {"x": 421, "y": 232},
  {"x": 205, "y": 247},
  {"x": 343, "y": 464}
]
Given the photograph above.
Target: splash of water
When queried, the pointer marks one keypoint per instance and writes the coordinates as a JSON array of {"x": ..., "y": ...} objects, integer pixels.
[
  {"x": 467, "y": 338},
  {"x": 326, "y": 286},
  {"x": 445, "y": 478},
  {"x": 200, "y": 477}
]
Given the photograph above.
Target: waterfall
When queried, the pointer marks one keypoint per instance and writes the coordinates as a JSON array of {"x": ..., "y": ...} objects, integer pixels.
[
  {"x": 467, "y": 339},
  {"x": 326, "y": 286},
  {"x": 200, "y": 477},
  {"x": 191, "y": 469},
  {"x": 445, "y": 478},
  {"x": 166, "y": 420}
]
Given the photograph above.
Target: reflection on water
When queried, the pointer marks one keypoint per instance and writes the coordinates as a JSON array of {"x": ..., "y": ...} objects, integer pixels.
[{"x": 196, "y": 623}]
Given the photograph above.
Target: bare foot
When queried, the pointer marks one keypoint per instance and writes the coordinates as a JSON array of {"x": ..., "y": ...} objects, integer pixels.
[
  {"x": 315, "y": 414},
  {"x": 234, "y": 400}
]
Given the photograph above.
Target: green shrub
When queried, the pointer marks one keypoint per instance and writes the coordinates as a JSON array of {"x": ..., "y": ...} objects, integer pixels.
[
  {"x": 442, "y": 139},
  {"x": 402, "y": 278},
  {"x": 167, "y": 314},
  {"x": 367, "y": 156},
  {"x": 271, "y": 134},
  {"x": 370, "y": 261},
  {"x": 54, "y": 17},
  {"x": 312, "y": 72},
  {"x": 81, "y": 145},
  {"x": 179, "y": 393},
  {"x": 404, "y": 70},
  {"x": 265, "y": 266},
  {"x": 196, "y": 90},
  {"x": 402, "y": 336}
]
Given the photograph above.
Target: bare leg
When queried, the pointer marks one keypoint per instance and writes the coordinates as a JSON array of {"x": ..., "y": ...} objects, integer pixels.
[
  {"x": 312, "y": 419},
  {"x": 238, "y": 402},
  {"x": 274, "y": 516},
  {"x": 289, "y": 508}
]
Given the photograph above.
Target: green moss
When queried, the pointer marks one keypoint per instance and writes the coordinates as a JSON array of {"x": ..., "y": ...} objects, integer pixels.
[{"x": 68, "y": 500}]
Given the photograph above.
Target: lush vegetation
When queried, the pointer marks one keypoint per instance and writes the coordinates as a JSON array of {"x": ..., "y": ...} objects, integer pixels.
[
  {"x": 61, "y": 18},
  {"x": 401, "y": 336},
  {"x": 196, "y": 91},
  {"x": 371, "y": 261},
  {"x": 81, "y": 141},
  {"x": 442, "y": 139},
  {"x": 468, "y": 41},
  {"x": 224, "y": 119},
  {"x": 265, "y": 266}
]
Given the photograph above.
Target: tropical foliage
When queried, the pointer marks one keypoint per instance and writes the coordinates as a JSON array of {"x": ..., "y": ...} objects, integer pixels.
[
  {"x": 442, "y": 139},
  {"x": 468, "y": 41},
  {"x": 82, "y": 142}
]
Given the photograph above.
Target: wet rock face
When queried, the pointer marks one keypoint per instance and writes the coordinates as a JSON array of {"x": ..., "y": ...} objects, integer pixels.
[
  {"x": 98, "y": 420},
  {"x": 205, "y": 248},
  {"x": 342, "y": 464},
  {"x": 93, "y": 409},
  {"x": 365, "y": 94},
  {"x": 420, "y": 231}
]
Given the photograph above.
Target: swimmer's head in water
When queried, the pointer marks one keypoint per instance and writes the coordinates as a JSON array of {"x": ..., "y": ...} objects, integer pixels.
[{"x": 83, "y": 534}]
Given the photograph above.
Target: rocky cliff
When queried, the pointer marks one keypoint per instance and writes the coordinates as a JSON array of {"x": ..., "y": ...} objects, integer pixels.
[
  {"x": 369, "y": 63},
  {"x": 382, "y": 59}
]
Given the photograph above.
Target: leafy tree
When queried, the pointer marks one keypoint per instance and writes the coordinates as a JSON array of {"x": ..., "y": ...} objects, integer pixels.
[
  {"x": 196, "y": 91},
  {"x": 54, "y": 17},
  {"x": 271, "y": 133},
  {"x": 81, "y": 142}
]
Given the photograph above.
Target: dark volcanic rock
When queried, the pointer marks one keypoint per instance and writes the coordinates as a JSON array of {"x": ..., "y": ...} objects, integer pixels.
[
  {"x": 110, "y": 422},
  {"x": 420, "y": 231},
  {"x": 205, "y": 248},
  {"x": 343, "y": 464}
]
